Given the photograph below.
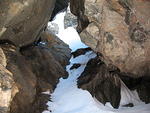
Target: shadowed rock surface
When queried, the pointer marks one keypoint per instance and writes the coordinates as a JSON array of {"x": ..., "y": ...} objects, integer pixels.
[
  {"x": 27, "y": 68},
  {"x": 33, "y": 70},
  {"x": 102, "y": 84},
  {"x": 59, "y": 6},
  {"x": 80, "y": 51},
  {"x": 57, "y": 47}
]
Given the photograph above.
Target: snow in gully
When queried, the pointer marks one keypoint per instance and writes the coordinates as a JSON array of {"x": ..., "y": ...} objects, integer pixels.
[{"x": 68, "y": 98}]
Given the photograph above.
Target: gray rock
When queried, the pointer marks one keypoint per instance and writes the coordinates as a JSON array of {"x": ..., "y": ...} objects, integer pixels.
[
  {"x": 70, "y": 20},
  {"x": 22, "y": 21}
]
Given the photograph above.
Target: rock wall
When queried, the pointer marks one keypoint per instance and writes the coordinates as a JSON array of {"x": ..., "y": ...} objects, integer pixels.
[
  {"x": 31, "y": 60},
  {"x": 119, "y": 29}
]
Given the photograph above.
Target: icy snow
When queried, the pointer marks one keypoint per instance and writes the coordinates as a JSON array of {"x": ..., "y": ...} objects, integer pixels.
[{"x": 68, "y": 98}]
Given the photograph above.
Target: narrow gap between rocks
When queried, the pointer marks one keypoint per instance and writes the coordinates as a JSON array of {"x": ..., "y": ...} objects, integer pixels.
[{"x": 67, "y": 97}]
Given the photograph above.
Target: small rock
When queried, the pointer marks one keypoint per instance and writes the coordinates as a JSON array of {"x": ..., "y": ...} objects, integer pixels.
[
  {"x": 75, "y": 66},
  {"x": 81, "y": 51}
]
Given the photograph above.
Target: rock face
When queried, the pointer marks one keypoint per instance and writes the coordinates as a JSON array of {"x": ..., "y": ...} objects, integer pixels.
[
  {"x": 29, "y": 72},
  {"x": 59, "y": 6},
  {"x": 22, "y": 21},
  {"x": 57, "y": 47},
  {"x": 119, "y": 29},
  {"x": 8, "y": 87},
  {"x": 103, "y": 84},
  {"x": 23, "y": 77},
  {"x": 31, "y": 60}
]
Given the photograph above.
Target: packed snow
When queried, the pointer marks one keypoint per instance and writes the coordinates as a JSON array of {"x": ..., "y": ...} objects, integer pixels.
[{"x": 68, "y": 98}]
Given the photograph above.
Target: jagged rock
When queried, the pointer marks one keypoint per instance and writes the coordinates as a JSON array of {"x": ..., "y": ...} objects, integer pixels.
[
  {"x": 22, "y": 21},
  {"x": 57, "y": 47},
  {"x": 80, "y": 51},
  {"x": 53, "y": 28},
  {"x": 59, "y": 6},
  {"x": 70, "y": 20},
  {"x": 75, "y": 66},
  {"x": 102, "y": 84},
  {"x": 143, "y": 89},
  {"x": 23, "y": 78},
  {"x": 8, "y": 88},
  {"x": 44, "y": 65},
  {"x": 40, "y": 103},
  {"x": 34, "y": 70},
  {"x": 119, "y": 29}
]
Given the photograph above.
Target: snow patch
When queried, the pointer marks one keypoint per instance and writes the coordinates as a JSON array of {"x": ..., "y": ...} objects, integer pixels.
[{"x": 68, "y": 98}]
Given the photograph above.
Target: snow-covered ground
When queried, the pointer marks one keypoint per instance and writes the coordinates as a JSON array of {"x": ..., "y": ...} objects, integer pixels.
[{"x": 67, "y": 98}]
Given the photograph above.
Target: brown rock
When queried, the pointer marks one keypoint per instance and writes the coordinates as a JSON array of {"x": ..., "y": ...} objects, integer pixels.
[
  {"x": 23, "y": 78},
  {"x": 102, "y": 84},
  {"x": 22, "y": 21},
  {"x": 8, "y": 88},
  {"x": 44, "y": 65},
  {"x": 34, "y": 70},
  {"x": 57, "y": 47},
  {"x": 119, "y": 29}
]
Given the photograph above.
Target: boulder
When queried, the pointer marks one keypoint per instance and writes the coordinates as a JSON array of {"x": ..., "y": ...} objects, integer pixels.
[
  {"x": 59, "y": 49},
  {"x": 104, "y": 85},
  {"x": 44, "y": 65},
  {"x": 119, "y": 29},
  {"x": 22, "y": 21}
]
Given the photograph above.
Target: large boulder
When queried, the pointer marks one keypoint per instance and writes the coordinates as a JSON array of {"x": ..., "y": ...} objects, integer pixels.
[
  {"x": 22, "y": 21},
  {"x": 119, "y": 29},
  {"x": 103, "y": 84}
]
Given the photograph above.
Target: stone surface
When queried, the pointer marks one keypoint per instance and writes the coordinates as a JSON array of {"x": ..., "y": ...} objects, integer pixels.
[
  {"x": 80, "y": 51},
  {"x": 57, "y": 47},
  {"x": 8, "y": 88},
  {"x": 119, "y": 29},
  {"x": 44, "y": 65},
  {"x": 59, "y": 6},
  {"x": 28, "y": 72},
  {"x": 23, "y": 78},
  {"x": 22, "y": 21},
  {"x": 101, "y": 83},
  {"x": 70, "y": 20}
]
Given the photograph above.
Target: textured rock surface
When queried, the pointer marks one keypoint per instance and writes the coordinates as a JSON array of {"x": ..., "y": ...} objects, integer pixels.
[
  {"x": 41, "y": 58},
  {"x": 27, "y": 66},
  {"x": 57, "y": 47},
  {"x": 8, "y": 87},
  {"x": 100, "y": 82},
  {"x": 22, "y": 21},
  {"x": 29, "y": 72},
  {"x": 59, "y": 6},
  {"x": 23, "y": 78},
  {"x": 70, "y": 20},
  {"x": 119, "y": 29}
]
